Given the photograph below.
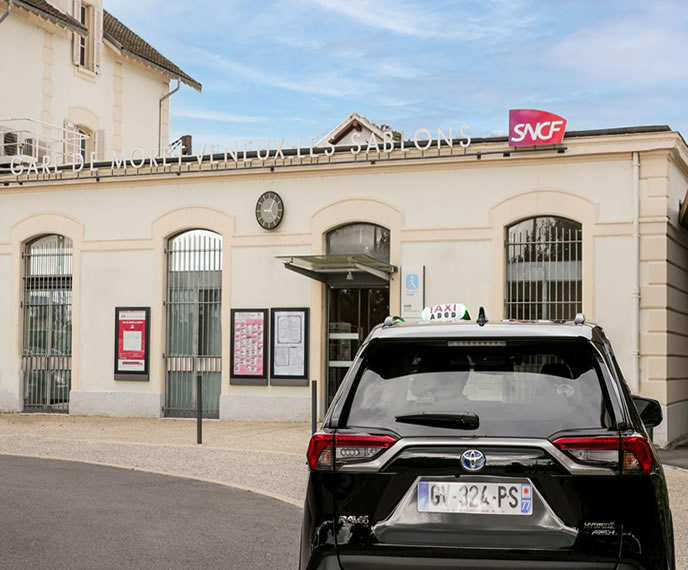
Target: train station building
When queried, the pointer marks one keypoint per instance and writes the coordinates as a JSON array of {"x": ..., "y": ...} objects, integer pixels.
[{"x": 125, "y": 275}]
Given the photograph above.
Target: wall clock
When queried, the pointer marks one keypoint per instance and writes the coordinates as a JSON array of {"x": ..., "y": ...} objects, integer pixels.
[{"x": 269, "y": 210}]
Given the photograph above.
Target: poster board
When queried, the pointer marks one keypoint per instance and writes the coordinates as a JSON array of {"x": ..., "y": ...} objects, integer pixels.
[
  {"x": 132, "y": 343},
  {"x": 249, "y": 341},
  {"x": 289, "y": 346}
]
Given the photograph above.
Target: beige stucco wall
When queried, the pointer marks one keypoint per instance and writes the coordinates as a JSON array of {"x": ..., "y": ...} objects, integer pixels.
[
  {"x": 675, "y": 320},
  {"x": 102, "y": 290},
  {"x": 613, "y": 303},
  {"x": 449, "y": 216},
  {"x": 258, "y": 279},
  {"x": 455, "y": 271},
  {"x": 140, "y": 102},
  {"x": 122, "y": 99},
  {"x": 21, "y": 97}
]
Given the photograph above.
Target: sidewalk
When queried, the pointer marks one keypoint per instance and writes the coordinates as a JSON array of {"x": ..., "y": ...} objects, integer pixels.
[
  {"x": 260, "y": 457},
  {"x": 677, "y": 457},
  {"x": 267, "y": 458}
]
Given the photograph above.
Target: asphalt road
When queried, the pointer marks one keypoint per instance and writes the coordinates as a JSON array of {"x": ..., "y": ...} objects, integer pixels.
[{"x": 63, "y": 514}]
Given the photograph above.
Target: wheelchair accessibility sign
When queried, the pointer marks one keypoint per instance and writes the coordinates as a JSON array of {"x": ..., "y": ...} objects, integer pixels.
[{"x": 412, "y": 291}]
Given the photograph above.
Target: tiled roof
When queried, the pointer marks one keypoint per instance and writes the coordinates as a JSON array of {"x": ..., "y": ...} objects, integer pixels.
[
  {"x": 43, "y": 8},
  {"x": 131, "y": 44}
]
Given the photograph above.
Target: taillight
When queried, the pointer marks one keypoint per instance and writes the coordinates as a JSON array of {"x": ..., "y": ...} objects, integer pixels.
[
  {"x": 637, "y": 454},
  {"x": 350, "y": 448},
  {"x": 319, "y": 452}
]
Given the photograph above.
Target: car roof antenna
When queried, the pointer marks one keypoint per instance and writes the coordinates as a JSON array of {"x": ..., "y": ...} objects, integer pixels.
[{"x": 482, "y": 319}]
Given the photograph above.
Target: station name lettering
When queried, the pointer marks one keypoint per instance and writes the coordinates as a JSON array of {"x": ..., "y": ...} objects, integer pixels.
[{"x": 261, "y": 150}]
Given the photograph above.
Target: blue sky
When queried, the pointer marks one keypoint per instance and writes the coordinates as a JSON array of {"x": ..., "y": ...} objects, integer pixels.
[{"x": 298, "y": 67}]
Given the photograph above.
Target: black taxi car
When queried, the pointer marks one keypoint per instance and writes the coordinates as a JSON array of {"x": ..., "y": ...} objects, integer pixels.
[{"x": 486, "y": 445}]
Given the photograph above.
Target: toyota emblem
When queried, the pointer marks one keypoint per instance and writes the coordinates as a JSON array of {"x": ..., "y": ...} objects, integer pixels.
[{"x": 472, "y": 460}]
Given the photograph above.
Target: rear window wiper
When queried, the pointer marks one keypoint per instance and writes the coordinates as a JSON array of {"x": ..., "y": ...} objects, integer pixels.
[{"x": 460, "y": 420}]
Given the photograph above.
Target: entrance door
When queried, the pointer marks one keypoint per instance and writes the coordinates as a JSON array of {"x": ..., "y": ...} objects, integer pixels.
[
  {"x": 194, "y": 332},
  {"x": 352, "y": 313},
  {"x": 47, "y": 342}
]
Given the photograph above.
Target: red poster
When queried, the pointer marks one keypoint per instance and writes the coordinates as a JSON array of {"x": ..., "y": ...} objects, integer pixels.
[
  {"x": 249, "y": 335},
  {"x": 131, "y": 341}
]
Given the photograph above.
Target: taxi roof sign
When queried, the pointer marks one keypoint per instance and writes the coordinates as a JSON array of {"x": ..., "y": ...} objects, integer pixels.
[{"x": 445, "y": 313}]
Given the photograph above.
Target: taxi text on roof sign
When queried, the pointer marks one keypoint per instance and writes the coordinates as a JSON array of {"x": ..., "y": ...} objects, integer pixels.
[{"x": 447, "y": 313}]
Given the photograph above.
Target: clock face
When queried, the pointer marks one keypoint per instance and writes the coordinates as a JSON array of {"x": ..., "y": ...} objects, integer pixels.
[{"x": 269, "y": 210}]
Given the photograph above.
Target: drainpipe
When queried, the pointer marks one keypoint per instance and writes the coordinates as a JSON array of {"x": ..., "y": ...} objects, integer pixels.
[
  {"x": 7, "y": 13},
  {"x": 162, "y": 100},
  {"x": 635, "y": 312}
]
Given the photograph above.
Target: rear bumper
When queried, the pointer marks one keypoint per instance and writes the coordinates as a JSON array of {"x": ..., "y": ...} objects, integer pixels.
[{"x": 356, "y": 562}]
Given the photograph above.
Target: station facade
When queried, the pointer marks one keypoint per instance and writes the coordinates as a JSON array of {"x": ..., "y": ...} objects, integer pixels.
[{"x": 263, "y": 274}]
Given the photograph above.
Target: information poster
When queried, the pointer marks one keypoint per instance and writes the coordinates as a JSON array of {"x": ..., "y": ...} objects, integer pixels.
[
  {"x": 249, "y": 341},
  {"x": 289, "y": 344},
  {"x": 131, "y": 343}
]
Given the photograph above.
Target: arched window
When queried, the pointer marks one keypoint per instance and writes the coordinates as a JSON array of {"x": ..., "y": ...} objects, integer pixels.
[
  {"x": 194, "y": 322},
  {"x": 370, "y": 239},
  {"x": 47, "y": 338},
  {"x": 544, "y": 269}
]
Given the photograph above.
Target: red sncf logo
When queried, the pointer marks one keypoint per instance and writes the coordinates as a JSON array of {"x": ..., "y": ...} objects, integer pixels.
[{"x": 529, "y": 127}]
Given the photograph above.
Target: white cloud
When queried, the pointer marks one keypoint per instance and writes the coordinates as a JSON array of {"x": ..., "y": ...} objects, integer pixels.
[
  {"x": 217, "y": 116},
  {"x": 396, "y": 70},
  {"x": 399, "y": 17},
  {"x": 630, "y": 50},
  {"x": 492, "y": 21},
  {"x": 329, "y": 83}
]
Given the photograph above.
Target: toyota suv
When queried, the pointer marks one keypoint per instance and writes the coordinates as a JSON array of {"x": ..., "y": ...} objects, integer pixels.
[{"x": 486, "y": 445}]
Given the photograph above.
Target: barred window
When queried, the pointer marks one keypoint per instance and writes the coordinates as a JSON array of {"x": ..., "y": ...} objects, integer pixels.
[{"x": 544, "y": 269}]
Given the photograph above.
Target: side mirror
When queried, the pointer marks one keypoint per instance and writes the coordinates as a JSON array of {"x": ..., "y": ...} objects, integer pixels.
[{"x": 650, "y": 411}]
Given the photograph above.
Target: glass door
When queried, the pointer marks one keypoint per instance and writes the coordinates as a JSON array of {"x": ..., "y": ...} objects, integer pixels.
[{"x": 352, "y": 313}]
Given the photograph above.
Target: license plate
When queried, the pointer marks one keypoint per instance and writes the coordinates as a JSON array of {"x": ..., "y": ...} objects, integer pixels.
[{"x": 478, "y": 498}]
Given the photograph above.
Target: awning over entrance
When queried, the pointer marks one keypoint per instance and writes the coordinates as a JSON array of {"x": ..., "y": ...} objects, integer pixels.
[{"x": 354, "y": 270}]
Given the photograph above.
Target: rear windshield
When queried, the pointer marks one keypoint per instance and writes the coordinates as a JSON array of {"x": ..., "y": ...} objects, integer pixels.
[{"x": 524, "y": 389}]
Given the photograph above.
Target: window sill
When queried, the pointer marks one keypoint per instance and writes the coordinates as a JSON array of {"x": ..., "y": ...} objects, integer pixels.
[{"x": 85, "y": 73}]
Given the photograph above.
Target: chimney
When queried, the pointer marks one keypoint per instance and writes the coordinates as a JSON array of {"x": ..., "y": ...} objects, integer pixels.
[{"x": 186, "y": 145}]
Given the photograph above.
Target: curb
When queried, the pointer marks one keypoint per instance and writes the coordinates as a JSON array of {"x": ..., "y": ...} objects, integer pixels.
[{"x": 146, "y": 444}]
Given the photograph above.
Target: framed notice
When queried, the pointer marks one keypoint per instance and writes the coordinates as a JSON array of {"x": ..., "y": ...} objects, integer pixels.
[
  {"x": 132, "y": 342},
  {"x": 289, "y": 346},
  {"x": 249, "y": 346}
]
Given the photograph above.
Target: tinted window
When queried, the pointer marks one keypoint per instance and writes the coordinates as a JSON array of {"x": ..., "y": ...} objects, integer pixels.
[{"x": 523, "y": 389}]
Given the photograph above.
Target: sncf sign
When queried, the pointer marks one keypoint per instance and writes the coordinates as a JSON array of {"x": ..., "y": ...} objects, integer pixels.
[{"x": 529, "y": 127}]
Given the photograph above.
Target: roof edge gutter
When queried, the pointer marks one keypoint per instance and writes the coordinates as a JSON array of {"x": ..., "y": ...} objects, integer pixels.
[
  {"x": 7, "y": 12},
  {"x": 78, "y": 28},
  {"x": 635, "y": 293},
  {"x": 162, "y": 100}
]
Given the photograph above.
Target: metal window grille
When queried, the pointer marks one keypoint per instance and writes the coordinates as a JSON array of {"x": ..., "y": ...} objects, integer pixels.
[
  {"x": 544, "y": 269},
  {"x": 47, "y": 338},
  {"x": 194, "y": 328}
]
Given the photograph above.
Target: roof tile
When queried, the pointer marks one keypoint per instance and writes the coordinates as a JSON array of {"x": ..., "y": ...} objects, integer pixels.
[
  {"x": 134, "y": 45},
  {"x": 47, "y": 10}
]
